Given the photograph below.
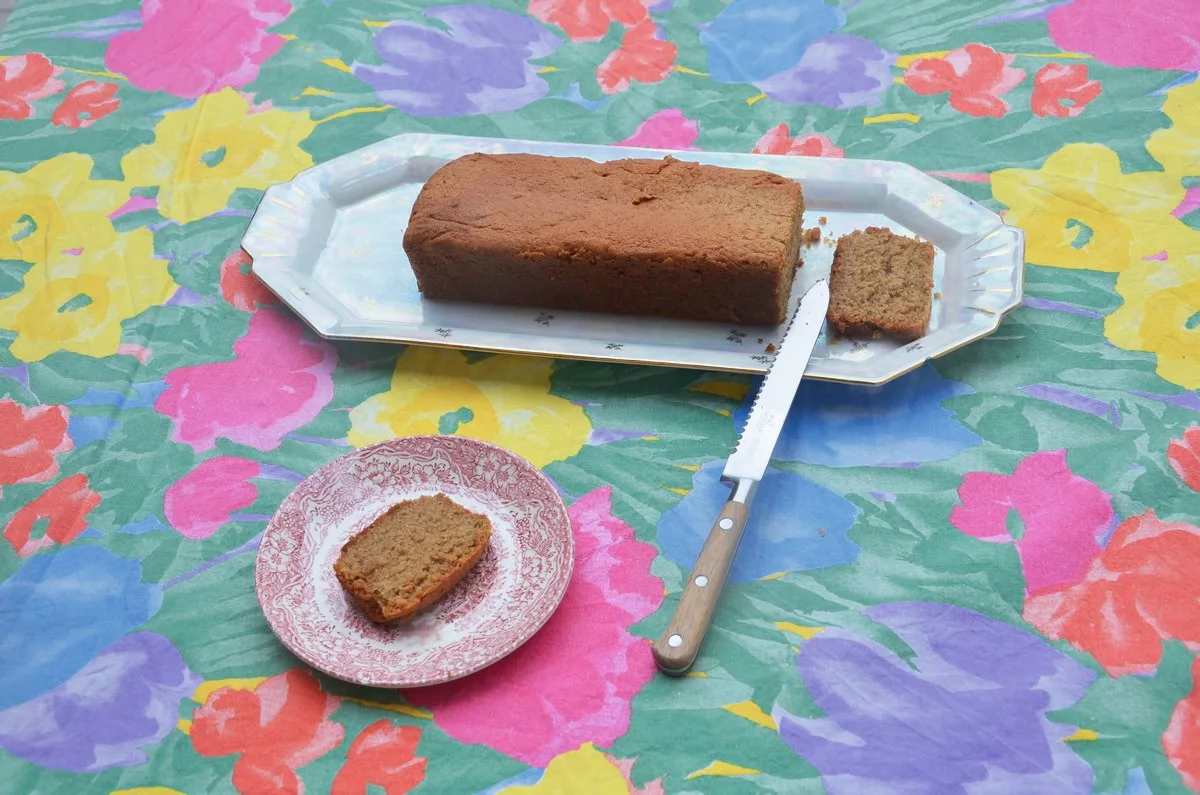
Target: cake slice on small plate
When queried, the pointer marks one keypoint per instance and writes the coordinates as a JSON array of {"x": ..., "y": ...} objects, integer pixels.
[
  {"x": 411, "y": 556},
  {"x": 881, "y": 283},
  {"x": 414, "y": 561}
]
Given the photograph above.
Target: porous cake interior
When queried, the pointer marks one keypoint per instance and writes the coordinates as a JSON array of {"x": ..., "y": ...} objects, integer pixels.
[
  {"x": 881, "y": 282},
  {"x": 410, "y": 550}
]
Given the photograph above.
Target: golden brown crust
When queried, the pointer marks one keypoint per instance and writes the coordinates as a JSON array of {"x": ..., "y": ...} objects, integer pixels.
[{"x": 664, "y": 238}]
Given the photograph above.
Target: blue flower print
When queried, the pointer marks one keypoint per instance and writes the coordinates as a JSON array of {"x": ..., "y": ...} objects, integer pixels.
[
  {"x": 106, "y": 715},
  {"x": 750, "y": 40},
  {"x": 58, "y": 611},
  {"x": 901, "y": 423},
  {"x": 795, "y": 525}
]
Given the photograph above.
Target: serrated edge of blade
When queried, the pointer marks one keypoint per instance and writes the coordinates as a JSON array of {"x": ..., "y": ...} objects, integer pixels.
[{"x": 754, "y": 405}]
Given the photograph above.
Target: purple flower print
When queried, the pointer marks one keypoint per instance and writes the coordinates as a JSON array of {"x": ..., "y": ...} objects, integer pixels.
[
  {"x": 968, "y": 713},
  {"x": 481, "y": 65},
  {"x": 837, "y": 71},
  {"x": 105, "y": 715}
]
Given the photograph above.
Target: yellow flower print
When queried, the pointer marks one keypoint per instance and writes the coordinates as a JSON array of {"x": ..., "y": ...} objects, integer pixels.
[
  {"x": 77, "y": 303},
  {"x": 505, "y": 400},
  {"x": 583, "y": 770},
  {"x": 1161, "y": 315},
  {"x": 203, "y": 153},
  {"x": 56, "y": 205},
  {"x": 1081, "y": 212},
  {"x": 1178, "y": 146}
]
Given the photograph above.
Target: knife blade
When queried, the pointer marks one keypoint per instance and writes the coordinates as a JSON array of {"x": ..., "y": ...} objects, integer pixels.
[{"x": 676, "y": 649}]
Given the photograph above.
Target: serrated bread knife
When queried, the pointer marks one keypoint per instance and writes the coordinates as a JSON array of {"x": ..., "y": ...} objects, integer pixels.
[{"x": 676, "y": 649}]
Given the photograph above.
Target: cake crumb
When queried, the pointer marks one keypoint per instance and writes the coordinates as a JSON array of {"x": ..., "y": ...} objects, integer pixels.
[
  {"x": 822, "y": 220},
  {"x": 937, "y": 295},
  {"x": 812, "y": 236},
  {"x": 770, "y": 347},
  {"x": 760, "y": 340}
]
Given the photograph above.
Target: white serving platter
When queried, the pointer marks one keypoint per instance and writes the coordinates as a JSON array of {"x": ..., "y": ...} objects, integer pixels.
[{"x": 328, "y": 243}]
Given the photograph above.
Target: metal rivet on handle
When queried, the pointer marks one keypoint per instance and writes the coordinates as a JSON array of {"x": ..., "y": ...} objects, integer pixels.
[
  {"x": 701, "y": 581},
  {"x": 726, "y": 523},
  {"x": 675, "y": 641}
]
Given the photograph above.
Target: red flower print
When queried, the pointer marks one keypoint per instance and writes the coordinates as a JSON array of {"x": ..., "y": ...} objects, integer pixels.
[
  {"x": 85, "y": 104},
  {"x": 1184, "y": 455},
  {"x": 1141, "y": 591},
  {"x": 24, "y": 79},
  {"x": 1181, "y": 740},
  {"x": 29, "y": 440},
  {"x": 281, "y": 725},
  {"x": 242, "y": 288},
  {"x": 642, "y": 57},
  {"x": 975, "y": 75},
  {"x": 1055, "y": 84},
  {"x": 201, "y": 501},
  {"x": 1062, "y": 515},
  {"x": 65, "y": 504},
  {"x": 383, "y": 755},
  {"x": 589, "y": 20},
  {"x": 777, "y": 141}
]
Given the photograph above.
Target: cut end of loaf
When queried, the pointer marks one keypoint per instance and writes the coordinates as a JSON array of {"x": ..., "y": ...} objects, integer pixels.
[
  {"x": 881, "y": 283},
  {"x": 411, "y": 556}
]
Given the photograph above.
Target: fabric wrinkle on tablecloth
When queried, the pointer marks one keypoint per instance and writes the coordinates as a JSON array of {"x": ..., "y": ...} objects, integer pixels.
[{"x": 977, "y": 578}]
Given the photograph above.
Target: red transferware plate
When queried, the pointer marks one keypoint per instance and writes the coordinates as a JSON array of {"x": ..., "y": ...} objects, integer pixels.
[{"x": 499, "y": 605}]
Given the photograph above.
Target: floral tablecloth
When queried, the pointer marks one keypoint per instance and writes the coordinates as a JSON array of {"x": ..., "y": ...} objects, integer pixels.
[{"x": 982, "y": 577}]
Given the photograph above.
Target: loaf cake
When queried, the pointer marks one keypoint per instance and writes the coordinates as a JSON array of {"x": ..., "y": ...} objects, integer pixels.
[
  {"x": 411, "y": 556},
  {"x": 665, "y": 238},
  {"x": 881, "y": 283}
]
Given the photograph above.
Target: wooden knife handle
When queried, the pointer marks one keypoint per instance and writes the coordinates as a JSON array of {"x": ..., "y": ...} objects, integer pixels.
[{"x": 677, "y": 647}]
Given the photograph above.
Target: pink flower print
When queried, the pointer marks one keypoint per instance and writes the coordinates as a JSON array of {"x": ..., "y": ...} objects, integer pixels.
[
  {"x": 190, "y": 49},
  {"x": 573, "y": 681},
  {"x": 1063, "y": 516},
  {"x": 277, "y": 382},
  {"x": 1158, "y": 35},
  {"x": 667, "y": 129},
  {"x": 201, "y": 501},
  {"x": 777, "y": 141}
]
